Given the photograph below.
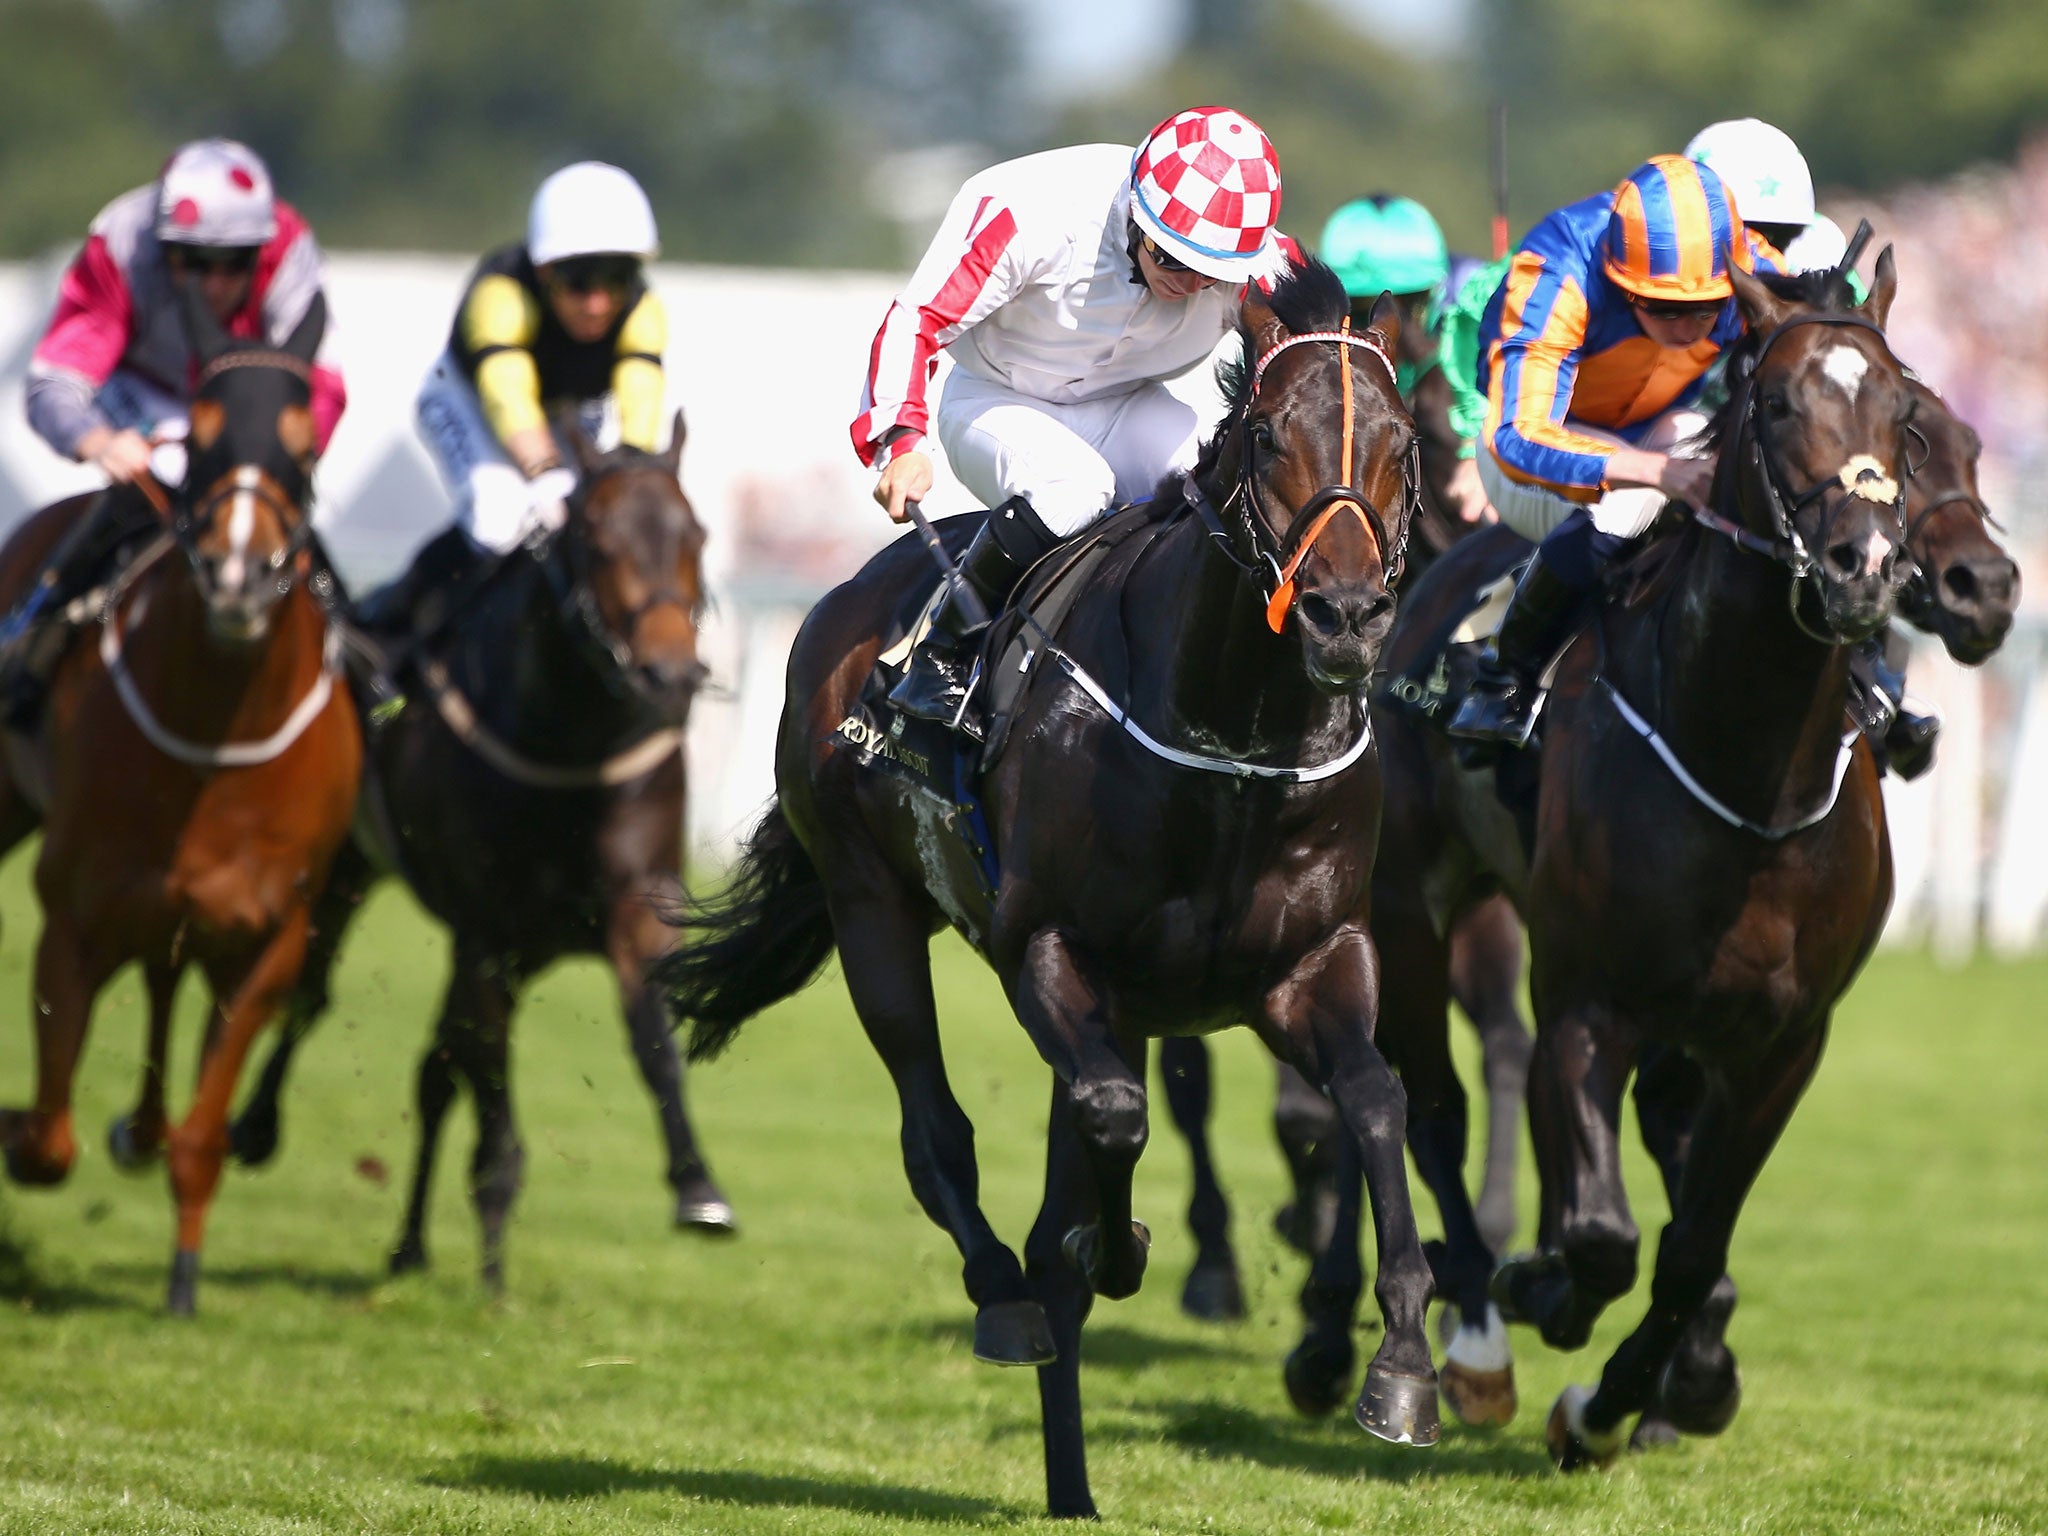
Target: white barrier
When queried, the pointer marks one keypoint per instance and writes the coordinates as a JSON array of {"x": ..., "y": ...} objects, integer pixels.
[{"x": 768, "y": 366}]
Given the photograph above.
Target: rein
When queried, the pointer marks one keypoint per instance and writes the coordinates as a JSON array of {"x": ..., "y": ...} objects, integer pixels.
[{"x": 460, "y": 716}]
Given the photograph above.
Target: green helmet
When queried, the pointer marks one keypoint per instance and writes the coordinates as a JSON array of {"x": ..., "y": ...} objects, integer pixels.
[{"x": 1385, "y": 243}]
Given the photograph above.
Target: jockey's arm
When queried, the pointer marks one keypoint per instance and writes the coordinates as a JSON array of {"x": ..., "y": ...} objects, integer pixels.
[
  {"x": 638, "y": 383},
  {"x": 499, "y": 324}
]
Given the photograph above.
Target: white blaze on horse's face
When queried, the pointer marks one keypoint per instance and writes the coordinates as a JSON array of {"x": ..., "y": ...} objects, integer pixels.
[
  {"x": 234, "y": 570},
  {"x": 1846, "y": 366}
]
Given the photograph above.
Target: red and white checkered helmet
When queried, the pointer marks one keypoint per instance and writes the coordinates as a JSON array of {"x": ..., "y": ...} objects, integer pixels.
[
  {"x": 1205, "y": 185},
  {"x": 215, "y": 192}
]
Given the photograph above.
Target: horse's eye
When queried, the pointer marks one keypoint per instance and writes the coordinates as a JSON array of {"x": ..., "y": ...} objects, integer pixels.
[
  {"x": 1262, "y": 436},
  {"x": 1777, "y": 405}
]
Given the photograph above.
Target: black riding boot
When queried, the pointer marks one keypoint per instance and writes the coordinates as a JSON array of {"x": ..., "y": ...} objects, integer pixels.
[
  {"x": 935, "y": 683},
  {"x": 1902, "y": 738},
  {"x": 37, "y": 634},
  {"x": 1505, "y": 695},
  {"x": 410, "y": 610}
]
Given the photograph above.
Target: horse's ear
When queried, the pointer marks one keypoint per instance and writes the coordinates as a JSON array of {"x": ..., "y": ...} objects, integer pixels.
[
  {"x": 1386, "y": 322},
  {"x": 1762, "y": 309},
  {"x": 209, "y": 339},
  {"x": 587, "y": 456},
  {"x": 677, "y": 432},
  {"x": 1260, "y": 323},
  {"x": 304, "y": 340},
  {"x": 1884, "y": 287}
]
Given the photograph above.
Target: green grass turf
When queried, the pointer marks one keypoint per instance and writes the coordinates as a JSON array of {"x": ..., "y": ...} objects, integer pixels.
[{"x": 814, "y": 1375}]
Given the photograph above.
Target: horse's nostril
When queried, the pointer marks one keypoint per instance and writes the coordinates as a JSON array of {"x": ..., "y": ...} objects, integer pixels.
[
  {"x": 1845, "y": 561},
  {"x": 1320, "y": 614},
  {"x": 1959, "y": 587}
]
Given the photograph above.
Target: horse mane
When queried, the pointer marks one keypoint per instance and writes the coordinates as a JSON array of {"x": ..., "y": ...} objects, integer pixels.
[
  {"x": 1308, "y": 296},
  {"x": 625, "y": 456}
]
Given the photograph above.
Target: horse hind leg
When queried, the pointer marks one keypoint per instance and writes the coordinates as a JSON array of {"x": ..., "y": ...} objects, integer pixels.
[
  {"x": 1311, "y": 1134},
  {"x": 434, "y": 1090},
  {"x": 1060, "y": 1288},
  {"x": 884, "y": 951},
  {"x": 637, "y": 936},
  {"x": 497, "y": 1168},
  {"x": 136, "y": 1140},
  {"x": 1486, "y": 969},
  {"x": 41, "y": 1142},
  {"x": 1213, "y": 1291}
]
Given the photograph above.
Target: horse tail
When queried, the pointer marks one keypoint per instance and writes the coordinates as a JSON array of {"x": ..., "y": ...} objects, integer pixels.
[{"x": 760, "y": 939}]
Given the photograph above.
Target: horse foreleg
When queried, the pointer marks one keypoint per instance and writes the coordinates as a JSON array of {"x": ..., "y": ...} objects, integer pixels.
[
  {"x": 1414, "y": 1030},
  {"x": 1319, "y": 1369},
  {"x": 480, "y": 995},
  {"x": 636, "y": 936},
  {"x": 41, "y": 1142},
  {"x": 1745, "y": 1113},
  {"x": 1311, "y": 1136},
  {"x": 1067, "y": 1299},
  {"x": 1062, "y": 1008},
  {"x": 135, "y": 1140},
  {"x": 1322, "y": 1017},
  {"x": 246, "y": 994},
  {"x": 1213, "y": 1291},
  {"x": 1589, "y": 1239},
  {"x": 1486, "y": 972},
  {"x": 884, "y": 951},
  {"x": 433, "y": 1091},
  {"x": 254, "y": 1134}
]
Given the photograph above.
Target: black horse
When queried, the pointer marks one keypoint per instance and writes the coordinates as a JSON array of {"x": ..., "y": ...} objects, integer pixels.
[
  {"x": 1195, "y": 856},
  {"x": 532, "y": 794},
  {"x": 1702, "y": 860},
  {"x": 1485, "y": 975}
]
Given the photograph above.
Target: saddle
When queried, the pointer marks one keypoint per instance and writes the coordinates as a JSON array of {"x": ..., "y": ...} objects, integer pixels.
[{"x": 928, "y": 755}]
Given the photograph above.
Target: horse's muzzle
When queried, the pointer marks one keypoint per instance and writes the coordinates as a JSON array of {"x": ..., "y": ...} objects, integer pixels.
[{"x": 1342, "y": 630}]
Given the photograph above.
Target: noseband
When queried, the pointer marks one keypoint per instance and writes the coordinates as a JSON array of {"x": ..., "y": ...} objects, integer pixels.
[
  {"x": 1281, "y": 559},
  {"x": 1787, "y": 548}
]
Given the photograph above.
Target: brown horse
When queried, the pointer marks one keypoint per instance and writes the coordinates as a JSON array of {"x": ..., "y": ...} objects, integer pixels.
[
  {"x": 1703, "y": 867},
  {"x": 1195, "y": 856},
  {"x": 194, "y": 773}
]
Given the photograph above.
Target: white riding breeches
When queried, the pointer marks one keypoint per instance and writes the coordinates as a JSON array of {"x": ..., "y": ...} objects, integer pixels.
[
  {"x": 493, "y": 499},
  {"x": 1072, "y": 462},
  {"x": 1533, "y": 511},
  {"x": 129, "y": 402}
]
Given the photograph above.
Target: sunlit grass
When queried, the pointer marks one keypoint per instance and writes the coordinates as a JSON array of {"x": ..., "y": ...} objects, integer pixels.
[{"x": 814, "y": 1375}]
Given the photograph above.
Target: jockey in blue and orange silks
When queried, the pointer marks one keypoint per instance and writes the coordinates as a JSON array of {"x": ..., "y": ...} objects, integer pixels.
[{"x": 1591, "y": 357}]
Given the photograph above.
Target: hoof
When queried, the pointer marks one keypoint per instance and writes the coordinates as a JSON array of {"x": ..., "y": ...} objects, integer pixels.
[
  {"x": 491, "y": 1275},
  {"x": 1013, "y": 1333},
  {"x": 253, "y": 1139},
  {"x": 1478, "y": 1380},
  {"x": 1213, "y": 1293},
  {"x": 1536, "y": 1288},
  {"x": 1318, "y": 1375},
  {"x": 1401, "y": 1409},
  {"x": 1572, "y": 1445},
  {"x": 712, "y": 1217},
  {"x": 122, "y": 1148},
  {"x": 1083, "y": 1249},
  {"x": 1478, "y": 1399},
  {"x": 1654, "y": 1432},
  {"x": 1700, "y": 1402},
  {"x": 408, "y": 1256},
  {"x": 183, "y": 1300}
]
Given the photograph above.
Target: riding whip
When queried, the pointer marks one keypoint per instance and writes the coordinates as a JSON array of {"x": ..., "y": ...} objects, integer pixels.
[{"x": 963, "y": 591}]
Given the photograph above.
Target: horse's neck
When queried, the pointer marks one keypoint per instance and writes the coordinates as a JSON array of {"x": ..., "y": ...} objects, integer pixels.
[
  {"x": 1205, "y": 668},
  {"x": 531, "y": 678},
  {"x": 1752, "y": 704}
]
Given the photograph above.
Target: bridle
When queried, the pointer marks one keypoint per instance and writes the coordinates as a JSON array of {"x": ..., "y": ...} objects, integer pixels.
[
  {"x": 575, "y": 590},
  {"x": 1282, "y": 558},
  {"x": 1786, "y": 547}
]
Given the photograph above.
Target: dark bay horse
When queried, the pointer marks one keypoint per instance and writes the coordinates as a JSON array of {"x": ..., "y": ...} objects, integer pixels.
[
  {"x": 1217, "y": 875},
  {"x": 532, "y": 794},
  {"x": 1704, "y": 866},
  {"x": 1486, "y": 977},
  {"x": 194, "y": 773}
]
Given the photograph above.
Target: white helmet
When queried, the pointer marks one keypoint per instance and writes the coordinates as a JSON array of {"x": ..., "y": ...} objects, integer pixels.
[
  {"x": 1761, "y": 166},
  {"x": 1819, "y": 246},
  {"x": 590, "y": 209},
  {"x": 215, "y": 192}
]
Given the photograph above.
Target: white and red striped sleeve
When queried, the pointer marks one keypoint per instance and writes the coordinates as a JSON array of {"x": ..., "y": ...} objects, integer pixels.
[
  {"x": 83, "y": 344},
  {"x": 971, "y": 270}
]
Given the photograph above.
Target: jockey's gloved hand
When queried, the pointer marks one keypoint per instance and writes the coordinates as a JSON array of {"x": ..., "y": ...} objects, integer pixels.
[{"x": 547, "y": 499}]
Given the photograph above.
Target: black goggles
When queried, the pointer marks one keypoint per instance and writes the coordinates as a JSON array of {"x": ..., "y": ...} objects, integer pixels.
[
  {"x": 234, "y": 260},
  {"x": 594, "y": 274},
  {"x": 1664, "y": 309}
]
